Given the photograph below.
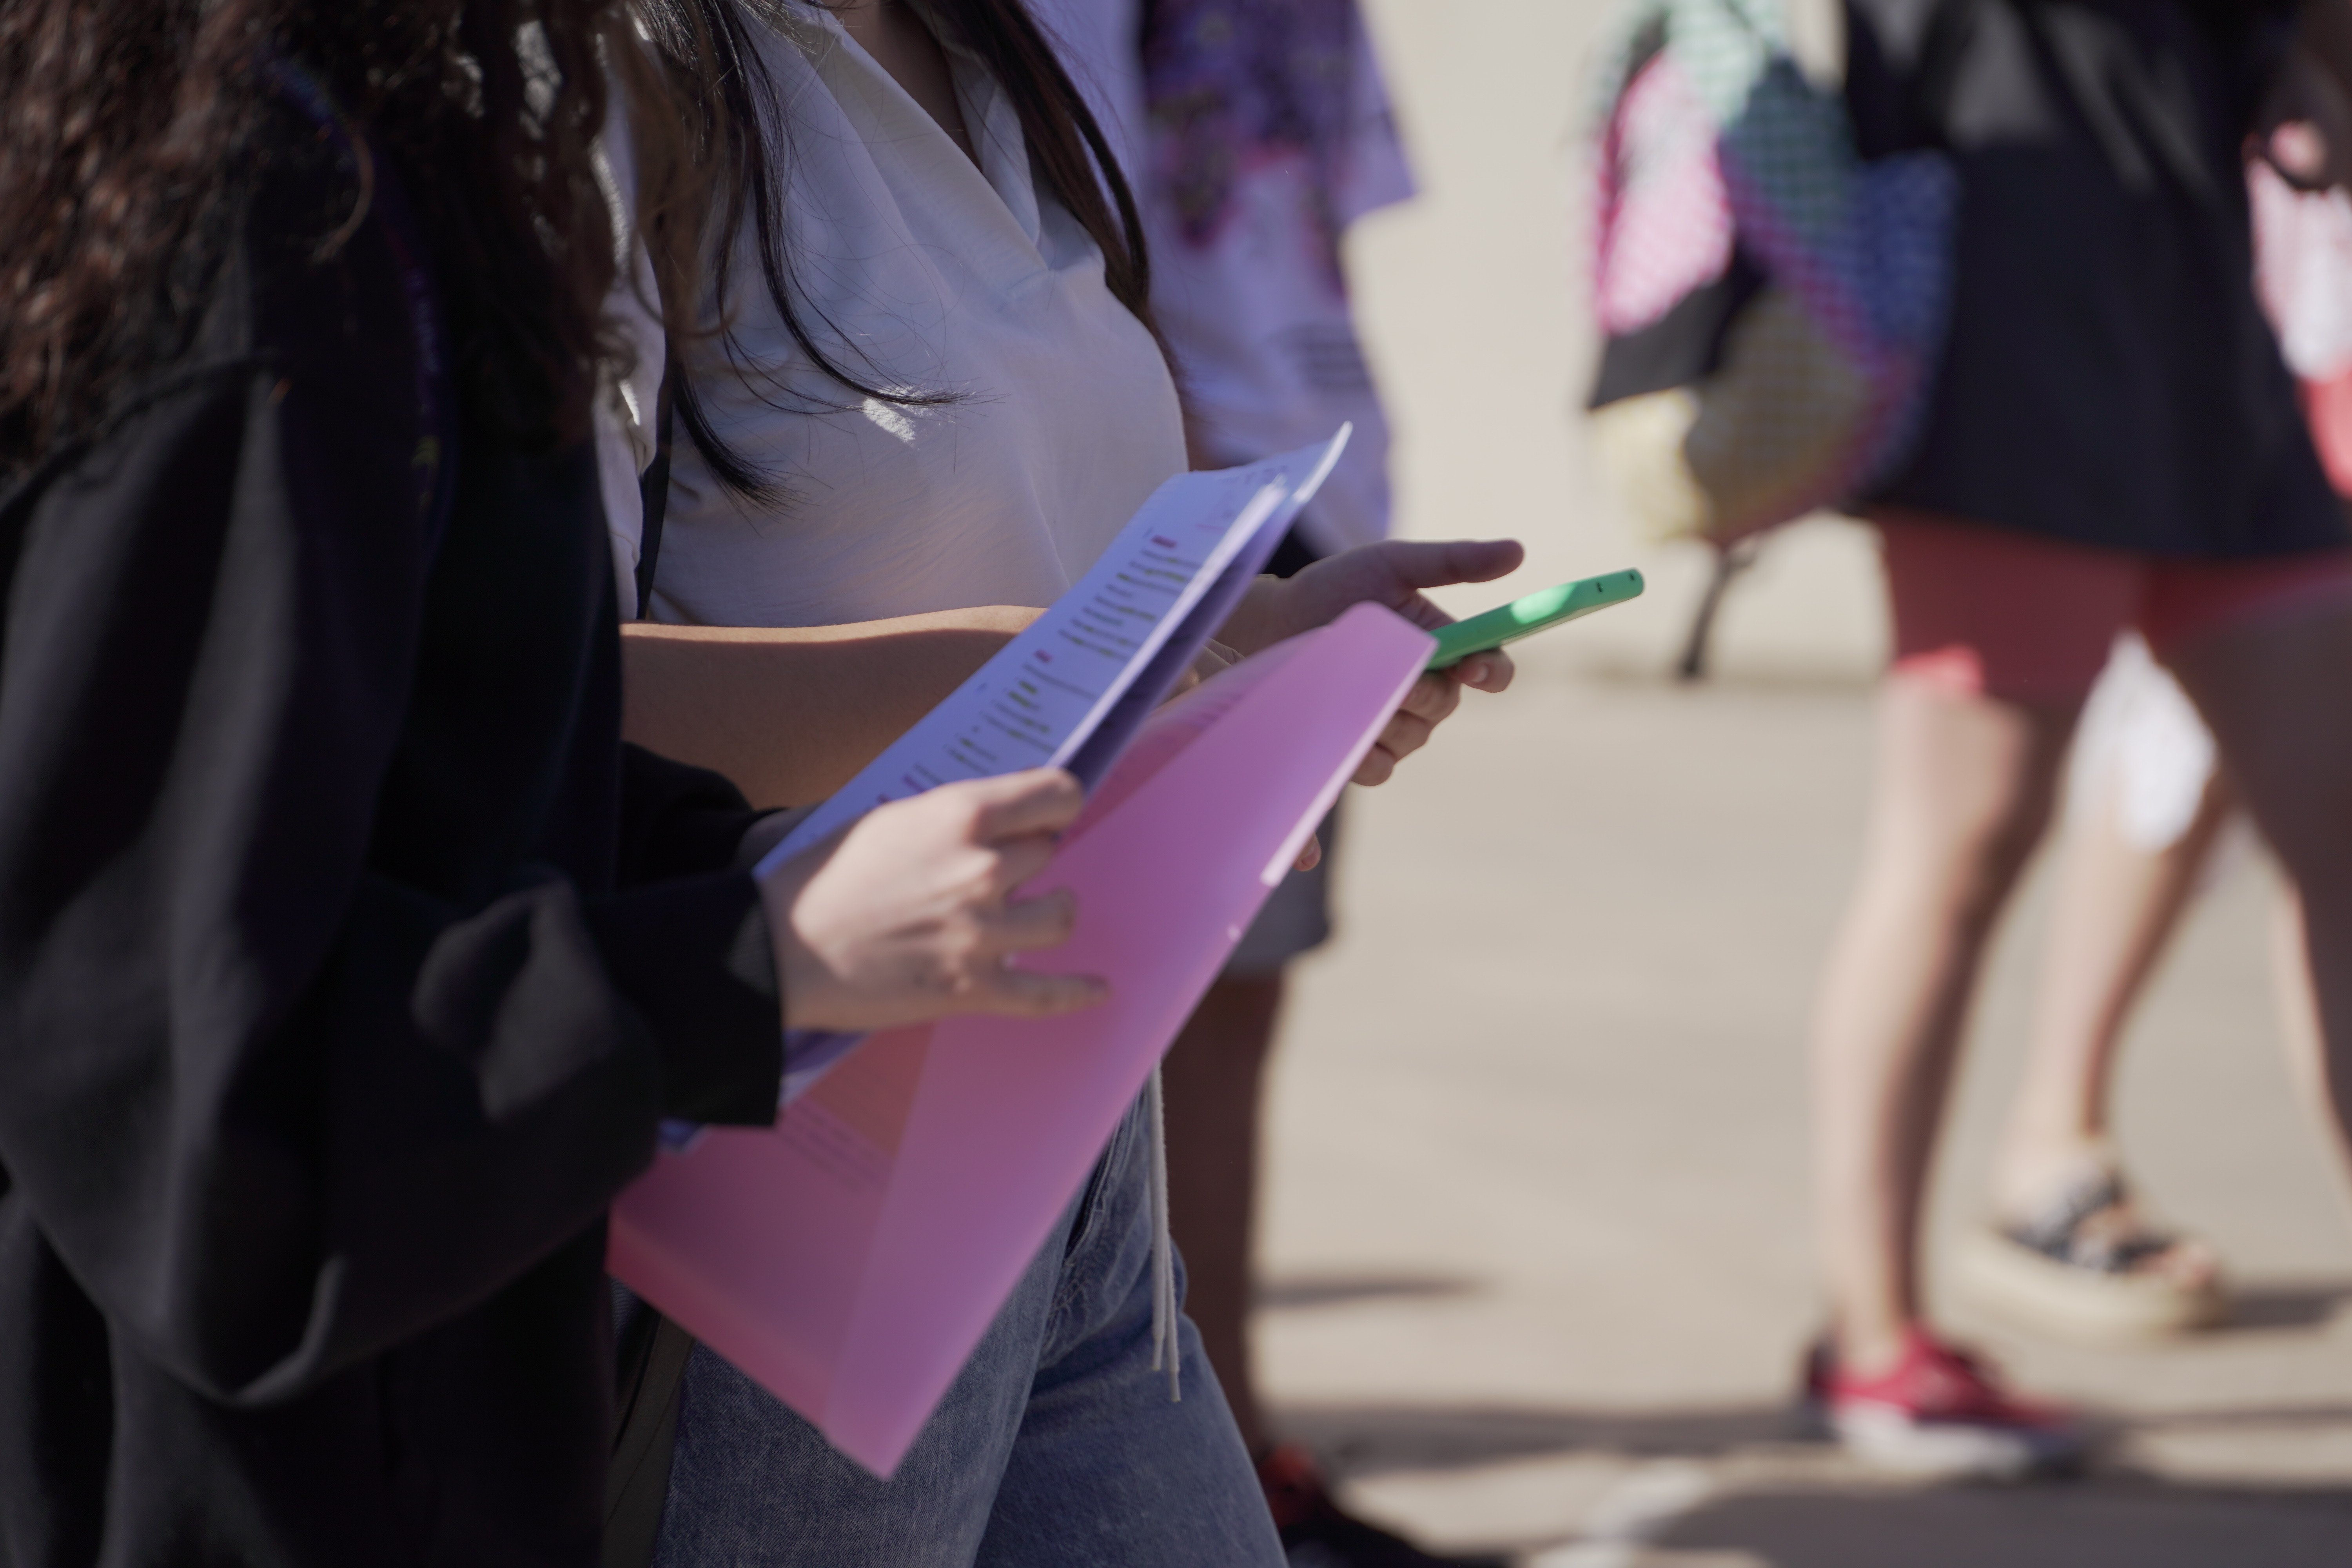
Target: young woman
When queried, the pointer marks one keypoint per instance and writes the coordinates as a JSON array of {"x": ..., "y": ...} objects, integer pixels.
[
  {"x": 928, "y": 395},
  {"x": 2070, "y": 1250},
  {"x": 2115, "y": 442},
  {"x": 348, "y": 959}
]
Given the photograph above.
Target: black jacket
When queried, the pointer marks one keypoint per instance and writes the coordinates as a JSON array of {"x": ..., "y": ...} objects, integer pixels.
[{"x": 347, "y": 958}]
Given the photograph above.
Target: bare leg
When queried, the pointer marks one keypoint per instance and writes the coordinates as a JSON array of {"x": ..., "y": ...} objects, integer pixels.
[
  {"x": 2306, "y": 1057},
  {"x": 1214, "y": 1080},
  {"x": 2117, "y": 906},
  {"x": 1963, "y": 794},
  {"x": 2273, "y": 693}
]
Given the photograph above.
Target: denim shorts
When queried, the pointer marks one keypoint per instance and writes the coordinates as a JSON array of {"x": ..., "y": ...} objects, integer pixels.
[{"x": 1057, "y": 1448}]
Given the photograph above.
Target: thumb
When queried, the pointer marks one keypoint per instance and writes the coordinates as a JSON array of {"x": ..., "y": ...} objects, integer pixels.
[{"x": 1011, "y": 806}]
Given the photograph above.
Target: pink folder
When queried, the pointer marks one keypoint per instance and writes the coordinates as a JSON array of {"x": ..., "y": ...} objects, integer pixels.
[{"x": 850, "y": 1258}]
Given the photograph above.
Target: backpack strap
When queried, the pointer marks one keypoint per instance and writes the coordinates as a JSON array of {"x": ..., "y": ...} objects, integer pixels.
[
  {"x": 651, "y": 1368},
  {"x": 653, "y": 485}
]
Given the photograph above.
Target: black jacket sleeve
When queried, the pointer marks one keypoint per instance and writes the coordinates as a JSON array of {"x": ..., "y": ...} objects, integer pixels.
[
  {"x": 276, "y": 1103},
  {"x": 689, "y": 947},
  {"x": 676, "y": 820}
]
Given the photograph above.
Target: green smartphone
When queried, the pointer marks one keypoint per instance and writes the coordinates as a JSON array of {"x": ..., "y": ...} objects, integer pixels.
[{"x": 1482, "y": 633}]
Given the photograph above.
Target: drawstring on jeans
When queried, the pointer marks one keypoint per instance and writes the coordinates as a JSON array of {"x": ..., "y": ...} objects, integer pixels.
[{"x": 1163, "y": 1250}]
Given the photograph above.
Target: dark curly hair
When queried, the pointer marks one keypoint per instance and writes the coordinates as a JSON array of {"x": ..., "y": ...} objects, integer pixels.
[{"x": 123, "y": 124}]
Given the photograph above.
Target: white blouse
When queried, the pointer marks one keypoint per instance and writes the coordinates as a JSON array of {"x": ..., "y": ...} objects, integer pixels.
[{"x": 919, "y": 272}]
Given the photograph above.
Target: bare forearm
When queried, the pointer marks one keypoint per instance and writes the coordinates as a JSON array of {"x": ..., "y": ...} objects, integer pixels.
[{"x": 790, "y": 714}]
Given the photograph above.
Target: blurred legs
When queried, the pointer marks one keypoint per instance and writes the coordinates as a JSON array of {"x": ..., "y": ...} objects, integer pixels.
[
  {"x": 2272, "y": 692},
  {"x": 1963, "y": 793},
  {"x": 2117, "y": 905}
]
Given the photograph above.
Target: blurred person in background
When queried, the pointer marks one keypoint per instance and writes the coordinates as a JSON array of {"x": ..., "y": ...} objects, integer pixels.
[
  {"x": 2114, "y": 443},
  {"x": 2148, "y": 809},
  {"x": 1253, "y": 132}
]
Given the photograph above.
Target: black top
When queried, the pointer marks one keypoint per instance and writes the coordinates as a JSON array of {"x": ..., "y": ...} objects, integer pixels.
[
  {"x": 339, "y": 990},
  {"x": 2110, "y": 378}
]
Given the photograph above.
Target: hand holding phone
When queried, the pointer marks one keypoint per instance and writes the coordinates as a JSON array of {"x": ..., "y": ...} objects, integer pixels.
[{"x": 1524, "y": 617}]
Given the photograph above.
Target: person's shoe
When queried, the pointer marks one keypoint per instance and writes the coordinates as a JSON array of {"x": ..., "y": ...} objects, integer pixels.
[
  {"x": 1810, "y": 1419},
  {"x": 2085, "y": 1267},
  {"x": 1938, "y": 1411},
  {"x": 1317, "y": 1532}
]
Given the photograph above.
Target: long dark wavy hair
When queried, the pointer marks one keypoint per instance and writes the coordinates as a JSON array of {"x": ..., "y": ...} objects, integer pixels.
[
  {"x": 734, "y": 113},
  {"x": 124, "y": 125}
]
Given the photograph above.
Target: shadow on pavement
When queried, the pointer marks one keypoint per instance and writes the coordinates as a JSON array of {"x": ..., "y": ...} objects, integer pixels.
[
  {"x": 1343, "y": 1290},
  {"x": 1374, "y": 1439},
  {"x": 1368, "y": 1439},
  {"x": 1786, "y": 1502},
  {"x": 2285, "y": 1304},
  {"x": 2121, "y": 1522}
]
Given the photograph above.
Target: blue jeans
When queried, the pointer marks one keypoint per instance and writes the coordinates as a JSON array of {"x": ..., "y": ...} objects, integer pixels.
[{"x": 1058, "y": 1446}]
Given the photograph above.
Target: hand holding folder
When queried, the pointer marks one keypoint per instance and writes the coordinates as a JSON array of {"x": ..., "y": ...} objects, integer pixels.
[
  {"x": 850, "y": 1258},
  {"x": 920, "y": 900}
]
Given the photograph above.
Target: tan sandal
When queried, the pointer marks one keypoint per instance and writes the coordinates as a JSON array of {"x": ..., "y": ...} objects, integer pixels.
[{"x": 2061, "y": 1274}]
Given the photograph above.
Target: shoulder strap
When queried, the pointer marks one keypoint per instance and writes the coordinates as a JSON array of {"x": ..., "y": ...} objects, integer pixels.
[
  {"x": 652, "y": 1367},
  {"x": 653, "y": 485}
]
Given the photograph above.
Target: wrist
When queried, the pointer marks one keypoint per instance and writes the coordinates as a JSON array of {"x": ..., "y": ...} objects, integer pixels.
[
  {"x": 814, "y": 999},
  {"x": 1261, "y": 619},
  {"x": 803, "y": 980}
]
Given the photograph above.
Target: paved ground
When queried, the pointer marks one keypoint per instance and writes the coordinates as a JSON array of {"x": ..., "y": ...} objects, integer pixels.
[{"x": 1537, "y": 1255}]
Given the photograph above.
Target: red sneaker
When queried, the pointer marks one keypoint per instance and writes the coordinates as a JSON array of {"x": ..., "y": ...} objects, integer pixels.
[{"x": 1940, "y": 1411}]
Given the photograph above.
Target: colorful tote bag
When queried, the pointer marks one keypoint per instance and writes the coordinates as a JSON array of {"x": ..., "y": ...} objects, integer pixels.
[{"x": 1772, "y": 306}]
